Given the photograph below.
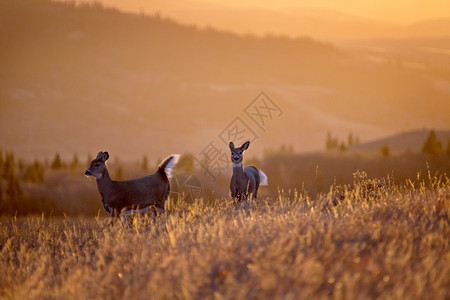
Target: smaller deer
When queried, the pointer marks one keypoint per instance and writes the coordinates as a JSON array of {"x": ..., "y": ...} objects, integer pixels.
[
  {"x": 137, "y": 195},
  {"x": 245, "y": 181}
]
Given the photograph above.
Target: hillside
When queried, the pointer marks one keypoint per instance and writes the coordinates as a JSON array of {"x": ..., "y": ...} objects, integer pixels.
[
  {"x": 331, "y": 20},
  {"x": 83, "y": 78},
  {"x": 407, "y": 141}
]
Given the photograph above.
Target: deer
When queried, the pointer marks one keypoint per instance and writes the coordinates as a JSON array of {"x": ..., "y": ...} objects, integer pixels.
[
  {"x": 245, "y": 182},
  {"x": 136, "y": 195}
]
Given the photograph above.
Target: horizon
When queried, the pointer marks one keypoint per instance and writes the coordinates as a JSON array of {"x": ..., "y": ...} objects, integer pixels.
[
  {"x": 387, "y": 12},
  {"x": 139, "y": 68},
  {"x": 406, "y": 13},
  {"x": 324, "y": 20}
]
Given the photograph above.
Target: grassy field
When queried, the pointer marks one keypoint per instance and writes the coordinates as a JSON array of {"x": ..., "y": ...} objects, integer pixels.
[{"x": 389, "y": 242}]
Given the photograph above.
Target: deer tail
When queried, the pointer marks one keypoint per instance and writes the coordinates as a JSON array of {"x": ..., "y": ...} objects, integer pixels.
[
  {"x": 166, "y": 167},
  {"x": 263, "y": 178}
]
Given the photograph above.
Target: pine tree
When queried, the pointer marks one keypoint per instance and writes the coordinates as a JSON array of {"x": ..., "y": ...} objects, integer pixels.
[
  {"x": 448, "y": 148},
  {"x": 385, "y": 151},
  {"x": 1, "y": 196},
  {"x": 34, "y": 173},
  {"x": 186, "y": 162},
  {"x": 57, "y": 162},
  {"x": 119, "y": 174},
  {"x": 13, "y": 189},
  {"x": 432, "y": 145},
  {"x": 75, "y": 162},
  {"x": 8, "y": 165},
  {"x": 145, "y": 163},
  {"x": 351, "y": 139},
  {"x": 331, "y": 143}
]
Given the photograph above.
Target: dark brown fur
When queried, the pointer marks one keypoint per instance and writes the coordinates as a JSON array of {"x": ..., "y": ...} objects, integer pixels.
[{"x": 139, "y": 193}]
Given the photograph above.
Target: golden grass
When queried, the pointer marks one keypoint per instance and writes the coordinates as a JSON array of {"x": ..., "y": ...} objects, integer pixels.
[{"x": 394, "y": 246}]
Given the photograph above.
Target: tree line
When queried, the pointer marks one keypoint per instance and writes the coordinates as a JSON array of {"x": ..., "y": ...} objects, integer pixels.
[{"x": 431, "y": 146}]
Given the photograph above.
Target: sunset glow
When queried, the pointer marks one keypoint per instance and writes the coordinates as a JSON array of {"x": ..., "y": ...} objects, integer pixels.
[
  {"x": 224, "y": 149},
  {"x": 323, "y": 19},
  {"x": 400, "y": 12}
]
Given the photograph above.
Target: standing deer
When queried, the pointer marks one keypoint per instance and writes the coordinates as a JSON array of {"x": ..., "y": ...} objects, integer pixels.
[
  {"x": 244, "y": 182},
  {"x": 137, "y": 195}
]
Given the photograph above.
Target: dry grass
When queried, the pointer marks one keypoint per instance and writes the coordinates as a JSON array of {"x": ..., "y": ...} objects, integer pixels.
[{"x": 393, "y": 246}]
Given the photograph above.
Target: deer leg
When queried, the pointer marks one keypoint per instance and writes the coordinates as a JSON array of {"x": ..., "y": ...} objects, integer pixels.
[
  {"x": 154, "y": 213},
  {"x": 251, "y": 190},
  {"x": 123, "y": 218},
  {"x": 255, "y": 194},
  {"x": 112, "y": 217},
  {"x": 235, "y": 194},
  {"x": 244, "y": 201}
]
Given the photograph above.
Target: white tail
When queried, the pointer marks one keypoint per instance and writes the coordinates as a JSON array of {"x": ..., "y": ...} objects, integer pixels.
[
  {"x": 263, "y": 178},
  {"x": 169, "y": 163}
]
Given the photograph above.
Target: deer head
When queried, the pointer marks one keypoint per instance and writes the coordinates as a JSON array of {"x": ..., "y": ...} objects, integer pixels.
[
  {"x": 98, "y": 165},
  {"x": 237, "y": 153}
]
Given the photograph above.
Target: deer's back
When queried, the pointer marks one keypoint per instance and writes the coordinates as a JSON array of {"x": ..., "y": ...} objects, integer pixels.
[{"x": 144, "y": 191}]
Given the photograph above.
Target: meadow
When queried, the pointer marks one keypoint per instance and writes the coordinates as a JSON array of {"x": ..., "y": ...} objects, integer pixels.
[
  {"x": 348, "y": 223},
  {"x": 378, "y": 241}
]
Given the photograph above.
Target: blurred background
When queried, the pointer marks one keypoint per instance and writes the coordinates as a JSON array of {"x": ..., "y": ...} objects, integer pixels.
[{"x": 321, "y": 88}]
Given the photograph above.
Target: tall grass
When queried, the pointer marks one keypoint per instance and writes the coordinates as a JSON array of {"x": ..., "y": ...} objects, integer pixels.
[{"x": 392, "y": 246}]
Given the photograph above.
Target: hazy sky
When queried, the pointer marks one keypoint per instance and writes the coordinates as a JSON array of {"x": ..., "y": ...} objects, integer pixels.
[{"x": 395, "y": 11}]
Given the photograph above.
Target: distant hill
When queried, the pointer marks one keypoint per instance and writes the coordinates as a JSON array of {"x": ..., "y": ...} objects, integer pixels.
[
  {"x": 406, "y": 141},
  {"x": 317, "y": 22},
  {"x": 427, "y": 28},
  {"x": 84, "y": 78}
]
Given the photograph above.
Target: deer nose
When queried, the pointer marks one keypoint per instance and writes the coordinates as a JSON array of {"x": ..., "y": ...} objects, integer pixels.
[{"x": 87, "y": 173}]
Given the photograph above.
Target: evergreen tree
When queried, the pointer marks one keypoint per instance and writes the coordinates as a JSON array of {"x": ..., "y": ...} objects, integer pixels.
[
  {"x": 432, "y": 145},
  {"x": 186, "y": 162},
  {"x": 351, "y": 139},
  {"x": 34, "y": 173},
  {"x": 57, "y": 162},
  {"x": 331, "y": 143},
  {"x": 8, "y": 165},
  {"x": 1, "y": 196},
  {"x": 145, "y": 163},
  {"x": 448, "y": 148},
  {"x": 119, "y": 174},
  {"x": 385, "y": 151},
  {"x": 75, "y": 162},
  {"x": 13, "y": 189}
]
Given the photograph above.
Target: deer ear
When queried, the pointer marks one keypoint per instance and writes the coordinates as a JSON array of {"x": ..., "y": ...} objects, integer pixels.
[
  {"x": 99, "y": 155},
  {"x": 105, "y": 156},
  {"x": 231, "y": 145},
  {"x": 245, "y": 145}
]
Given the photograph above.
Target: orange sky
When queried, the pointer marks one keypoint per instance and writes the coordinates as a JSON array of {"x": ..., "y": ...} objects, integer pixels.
[{"x": 397, "y": 11}]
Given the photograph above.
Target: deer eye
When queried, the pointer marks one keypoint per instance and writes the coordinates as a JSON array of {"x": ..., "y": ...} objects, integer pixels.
[{"x": 97, "y": 165}]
